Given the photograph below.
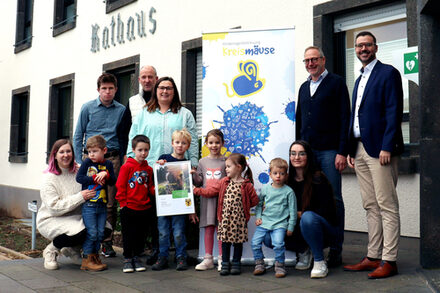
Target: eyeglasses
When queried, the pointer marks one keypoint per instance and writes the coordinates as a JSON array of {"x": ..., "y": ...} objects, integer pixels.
[
  {"x": 168, "y": 88},
  {"x": 361, "y": 45},
  {"x": 301, "y": 154},
  {"x": 311, "y": 60}
]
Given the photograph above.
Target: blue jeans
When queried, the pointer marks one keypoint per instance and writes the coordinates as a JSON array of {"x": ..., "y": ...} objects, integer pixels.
[
  {"x": 177, "y": 223},
  {"x": 318, "y": 233},
  {"x": 277, "y": 243},
  {"x": 94, "y": 216},
  {"x": 326, "y": 160}
]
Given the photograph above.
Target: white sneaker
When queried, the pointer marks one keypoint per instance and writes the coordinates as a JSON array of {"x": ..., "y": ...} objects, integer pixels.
[
  {"x": 50, "y": 254},
  {"x": 206, "y": 264},
  {"x": 319, "y": 270},
  {"x": 72, "y": 252},
  {"x": 304, "y": 260},
  {"x": 219, "y": 263}
]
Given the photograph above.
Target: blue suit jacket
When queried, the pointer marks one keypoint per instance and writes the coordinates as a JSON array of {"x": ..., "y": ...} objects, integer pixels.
[{"x": 380, "y": 112}]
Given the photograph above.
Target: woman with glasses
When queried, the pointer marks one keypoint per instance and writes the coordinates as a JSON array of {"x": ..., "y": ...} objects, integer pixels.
[
  {"x": 317, "y": 222},
  {"x": 161, "y": 116}
]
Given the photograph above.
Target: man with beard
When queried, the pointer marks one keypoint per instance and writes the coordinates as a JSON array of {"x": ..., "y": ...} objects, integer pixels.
[
  {"x": 147, "y": 80},
  {"x": 375, "y": 143}
]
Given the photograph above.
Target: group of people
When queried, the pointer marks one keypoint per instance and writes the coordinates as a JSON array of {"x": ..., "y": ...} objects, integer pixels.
[{"x": 302, "y": 209}]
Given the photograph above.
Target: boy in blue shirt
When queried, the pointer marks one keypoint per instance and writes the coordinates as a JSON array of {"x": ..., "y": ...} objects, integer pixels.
[
  {"x": 95, "y": 173},
  {"x": 275, "y": 214}
]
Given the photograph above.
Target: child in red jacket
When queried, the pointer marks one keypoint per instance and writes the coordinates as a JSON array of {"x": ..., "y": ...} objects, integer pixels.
[
  {"x": 135, "y": 189},
  {"x": 236, "y": 195}
]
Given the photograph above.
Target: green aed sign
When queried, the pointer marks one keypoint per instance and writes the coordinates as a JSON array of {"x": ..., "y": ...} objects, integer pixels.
[{"x": 411, "y": 62}]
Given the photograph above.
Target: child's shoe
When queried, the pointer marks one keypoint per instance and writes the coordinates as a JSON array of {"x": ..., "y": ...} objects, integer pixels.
[
  {"x": 128, "y": 266},
  {"x": 304, "y": 260},
  {"x": 206, "y": 264},
  {"x": 260, "y": 269},
  {"x": 280, "y": 270},
  {"x": 161, "y": 264},
  {"x": 219, "y": 263},
  {"x": 50, "y": 254},
  {"x": 90, "y": 264},
  {"x": 181, "y": 263},
  {"x": 319, "y": 270},
  {"x": 225, "y": 267},
  {"x": 236, "y": 268},
  {"x": 99, "y": 262},
  {"x": 137, "y": 264},
  {"x": 107, "y": 249}
]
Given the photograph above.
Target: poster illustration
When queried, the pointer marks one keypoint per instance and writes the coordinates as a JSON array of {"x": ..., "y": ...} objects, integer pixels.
[
  {"x": 249, "y": 94},
  {"x": 173, "y": 183}
]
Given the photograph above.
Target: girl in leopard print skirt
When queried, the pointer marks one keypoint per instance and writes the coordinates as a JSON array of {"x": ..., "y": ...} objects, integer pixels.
[{"x": 236, "y": 195}]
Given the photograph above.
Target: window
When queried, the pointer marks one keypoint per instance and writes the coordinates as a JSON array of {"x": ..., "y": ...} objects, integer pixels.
[
  {"x": 64, "y": 17},
  {"x": 126, "y": 72},
  {"x": 23, "y": 33},
  {"x": 18, "y": 142},
  {"x": 111, "y": 5},
  {"x": 60, "y": 120}
]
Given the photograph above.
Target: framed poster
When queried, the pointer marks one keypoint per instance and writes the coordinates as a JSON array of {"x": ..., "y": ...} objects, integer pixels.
[{"x": 174, "y": 195}]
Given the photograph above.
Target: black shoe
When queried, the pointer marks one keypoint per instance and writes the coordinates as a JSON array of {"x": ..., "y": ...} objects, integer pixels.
[
  {"x": 181, "y": 264},
  {"x": 137, "y": 265},
  {"x": 334, "y": 258},
  {"x": 161, "y": 264},
  {"x": 225, "y": 268},
  {"x": 236, "y": 268},
  {"x": 152, "y": 257},
  {"x": 107, "y": 249}
]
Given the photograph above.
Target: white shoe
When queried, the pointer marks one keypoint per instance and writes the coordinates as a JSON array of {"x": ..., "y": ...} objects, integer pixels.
[
  {"x": 304, "y": 260},
  {"x": 319, "y": 270},
  {"x": 219, "y": 263},
  {"x": 72, "y": 252},
  {"x": 206, "y": 264},
  {"x": 50, "y": 254}
]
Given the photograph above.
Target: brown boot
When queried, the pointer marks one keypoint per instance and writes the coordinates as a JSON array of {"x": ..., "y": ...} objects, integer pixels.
[
  {"x": 89, "y": 264},
  {"x": 98, "y": 261}
]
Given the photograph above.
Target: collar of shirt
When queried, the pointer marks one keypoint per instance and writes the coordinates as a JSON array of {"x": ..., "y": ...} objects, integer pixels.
[
  {"x": 158, "y": 111},
  {"x": 320, "y": 78},
  {"x": 99, "y": 103},
  {"x": 367, "y": 69}
]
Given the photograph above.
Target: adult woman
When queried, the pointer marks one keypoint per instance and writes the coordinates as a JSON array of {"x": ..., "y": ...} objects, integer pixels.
[
  {"x": 317, "y": 221},
  {"x": 161, "y": 116},
  {"x": 59, "y": 217}
]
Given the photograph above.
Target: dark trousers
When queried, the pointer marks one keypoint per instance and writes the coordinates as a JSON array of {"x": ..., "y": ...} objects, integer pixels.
[
  {"x": 133, "y": 231},
  {"x": 226, "y": 251},
  {"x": 151, "y": 228},
  {"x": 64, "y": 240}
]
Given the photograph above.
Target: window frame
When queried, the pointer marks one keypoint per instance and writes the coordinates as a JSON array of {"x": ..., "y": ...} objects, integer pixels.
[
  {"x": 60, "y": 23},
  {"x": 53, "y": 111},
  {"x": 14, "y": 155},
  {"x": 112, "y": 6},
  {"x": 22, "y": 42},
  {"x": 190, "y": 49}
]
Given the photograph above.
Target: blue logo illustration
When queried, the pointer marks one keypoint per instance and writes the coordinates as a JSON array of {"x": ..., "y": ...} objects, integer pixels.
[
  {"x": 263, "y": 178},
  {"x": 289, "y": 111},
  {"x": 246, "y": 129},
  {"x": 247, "y": 82}
]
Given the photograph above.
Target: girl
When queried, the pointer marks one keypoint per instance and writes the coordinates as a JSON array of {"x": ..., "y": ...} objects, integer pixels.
[
  {"x": 236, "y": 195},
  {"x": 209, "y": 171}
]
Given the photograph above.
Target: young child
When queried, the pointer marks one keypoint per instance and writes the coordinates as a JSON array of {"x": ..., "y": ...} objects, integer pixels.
[
  {"x": 95, "y": 174},
  {"x": 135, "y": 187},
  {"x": 210, "y": 170},
  {"x": 180, "y": 141},
  {"x": 236, "y": 196},
  {"x": 275, "y": 213}
]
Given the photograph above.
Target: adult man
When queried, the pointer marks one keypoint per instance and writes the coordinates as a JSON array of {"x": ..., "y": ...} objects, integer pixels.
[
  {"x": 147, "y": 79},
  {"x": 102, "y": 116},
  {"x": 322, "y": 118},
  {"x": 375, "y": 141}
]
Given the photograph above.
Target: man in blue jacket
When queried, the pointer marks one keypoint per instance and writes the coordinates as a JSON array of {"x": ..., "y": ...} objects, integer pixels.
[
  {"x": 322, "y": 119},
  {"x": 375, "y": 139}
]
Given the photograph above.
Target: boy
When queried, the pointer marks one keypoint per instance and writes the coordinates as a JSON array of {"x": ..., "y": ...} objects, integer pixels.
[
  {"x": 135, "y": 187},
  {"x": 275, "y": 213},
  {"x": 180, "y": 141},
  {"x": 96, "y": 173}
]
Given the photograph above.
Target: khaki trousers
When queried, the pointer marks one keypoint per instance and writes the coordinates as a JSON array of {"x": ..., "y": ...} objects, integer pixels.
[{"x": 379, "y": 197}]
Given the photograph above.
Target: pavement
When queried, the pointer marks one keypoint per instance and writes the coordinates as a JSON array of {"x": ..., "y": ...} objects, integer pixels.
[{"x": 30, "y": 276}]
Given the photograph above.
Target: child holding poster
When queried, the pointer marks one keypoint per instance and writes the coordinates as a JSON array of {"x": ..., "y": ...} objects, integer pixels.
[
  {"x": 210, "y": 170},
  {"x": 236, "y": 195},
  {"x": 180, "y": 141}
]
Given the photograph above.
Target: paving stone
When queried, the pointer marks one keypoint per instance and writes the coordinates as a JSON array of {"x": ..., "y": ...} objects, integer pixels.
[
  {"x": 103, "y": 285},
  {"x": 68, "y": 289},
  {"x": 43, "y": 282},
  {"x": 10, "y": 286}
]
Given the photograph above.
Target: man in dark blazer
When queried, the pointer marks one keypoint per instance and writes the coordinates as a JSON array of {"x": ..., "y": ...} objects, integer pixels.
[
  {"x": 375, "y": 142},
  {"x": 322, "y": 119}
]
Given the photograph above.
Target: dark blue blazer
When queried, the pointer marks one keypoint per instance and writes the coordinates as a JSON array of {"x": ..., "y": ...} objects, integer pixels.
[{"x": 380, "y": 112}]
